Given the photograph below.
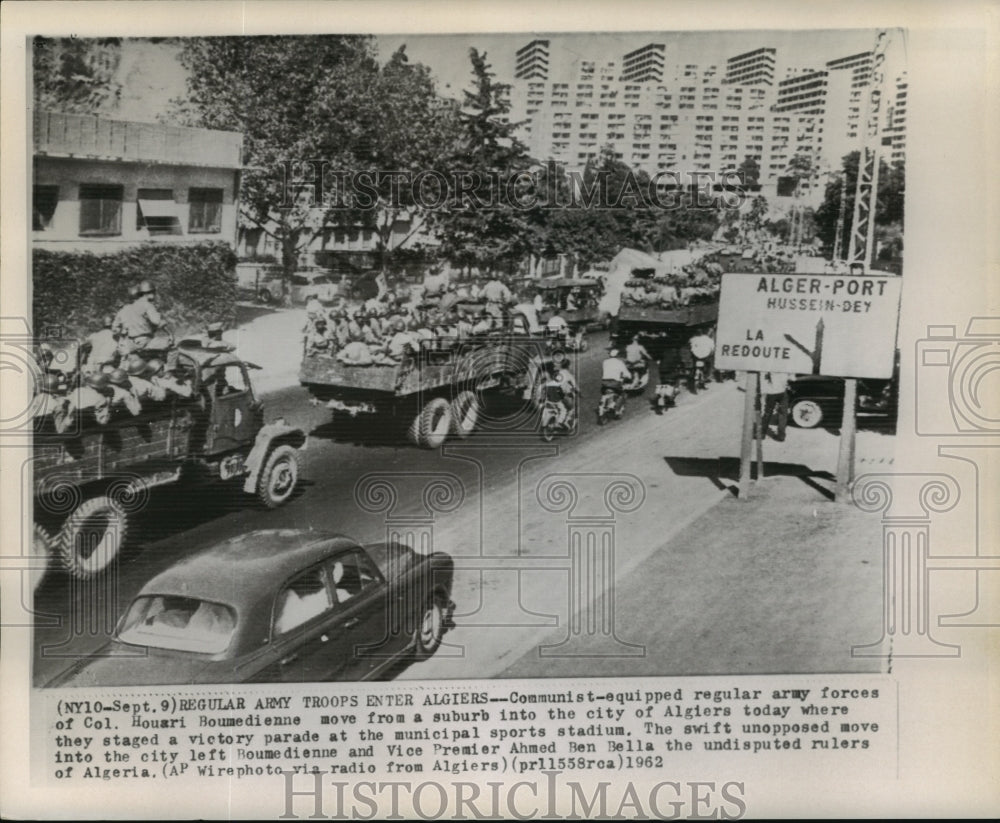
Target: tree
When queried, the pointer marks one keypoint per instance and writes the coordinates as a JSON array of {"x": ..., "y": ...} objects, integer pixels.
[
  {"x": 402, "y": 130},
  {"x": 76, "y": 75},
  {"x": 749, "y": 171},
  {"x": 888, "y": 206},
  {"x": 489, "y": 169},
  {"x": 294, "y": 99}
]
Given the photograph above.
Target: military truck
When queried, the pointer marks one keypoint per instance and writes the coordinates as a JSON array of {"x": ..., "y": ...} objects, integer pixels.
[
  {"x": 439, "y": 387},
  {"x": 663, "y": 323},
  {"x": 91, "y": 479}
]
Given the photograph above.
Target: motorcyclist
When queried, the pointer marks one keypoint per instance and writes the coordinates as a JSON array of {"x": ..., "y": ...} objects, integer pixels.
[
  {"x": 636, "y": 356},
  {"x": 671, "y": 376},
  {"x": 570, "y": 389},
  {"x": 557, "y": 327},
  {"x": 703, "y": 347},
  {"x": 614, "y": 373}
]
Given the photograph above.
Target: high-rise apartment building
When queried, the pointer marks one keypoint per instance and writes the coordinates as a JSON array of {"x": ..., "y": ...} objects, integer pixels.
[
  {"x": 532, "y": 61},
  {"x": 895, "y": 130},
  {"x": 859, "y": 65},
  {"x": 644, "y": 65},
  {"x": 804, "y": 92},
  {"x": 689, "y": 120},
  {"x": 751, "y": 68}
]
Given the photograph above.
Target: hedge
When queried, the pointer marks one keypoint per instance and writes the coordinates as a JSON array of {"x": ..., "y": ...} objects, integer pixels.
[{"x": 196, "y": 285}]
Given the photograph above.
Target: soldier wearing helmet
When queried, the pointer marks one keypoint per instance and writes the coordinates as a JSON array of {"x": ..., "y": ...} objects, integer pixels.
[
  {"x": 317, "y": 336},
  {"x": 140, "y": 375},
  {"x": 171, "y": 380},
  {"x": 212, "y": 339},
  {"x": 50, "y": 400},
  {"x": 122, "y": 393},
  {"x": 139, "y": 325},
  {"x": 101, "y": 347},
  {"x": 93, "y": 396}
]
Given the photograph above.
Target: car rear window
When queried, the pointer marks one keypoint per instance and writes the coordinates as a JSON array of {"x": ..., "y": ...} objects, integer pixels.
[{"x": 179, "y": 623}]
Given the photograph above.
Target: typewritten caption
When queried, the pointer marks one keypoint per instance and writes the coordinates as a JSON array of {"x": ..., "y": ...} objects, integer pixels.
[{"x": 490, "y": 729}]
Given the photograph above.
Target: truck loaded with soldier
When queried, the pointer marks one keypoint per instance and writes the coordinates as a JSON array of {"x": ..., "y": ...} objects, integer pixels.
[{"x": 130, "y": 409}]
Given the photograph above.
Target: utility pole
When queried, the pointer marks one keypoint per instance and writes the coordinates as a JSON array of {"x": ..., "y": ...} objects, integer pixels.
[
  {"x": 862, "y": 243},
  {"x": 838, "y": 240}
]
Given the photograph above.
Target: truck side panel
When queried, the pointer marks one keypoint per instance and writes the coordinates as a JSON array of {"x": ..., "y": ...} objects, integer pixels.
[
  {"x": 120, "y": 446},
  {"x": 696, "y": 315},
  {"x": 468, "y": 361}
]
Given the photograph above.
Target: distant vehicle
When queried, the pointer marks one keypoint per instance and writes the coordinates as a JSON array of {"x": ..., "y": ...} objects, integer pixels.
[
  {"x": 307, "y": 607},
  {"x": 575, "y": 298},
  {"x": 816, "y": 400},
  {"x": 325, "y": 285},
  {"x": 439, "y": 385}
]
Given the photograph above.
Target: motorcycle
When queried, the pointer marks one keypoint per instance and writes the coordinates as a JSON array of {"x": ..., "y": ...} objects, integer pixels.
[
  {"x": 640, "y": 378},
  {"x": 611, "y": 404},
  {"x": 552, "y": 425},
  {"x": 664, "y": 397},
  {"x": 700, "y": 378},
  {"x": 573, "y": 341}
]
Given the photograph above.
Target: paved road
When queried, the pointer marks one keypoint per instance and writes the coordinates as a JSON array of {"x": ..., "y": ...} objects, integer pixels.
[
  {"x": 180, "y": 519},
  {"x": 514, "y": 505}
]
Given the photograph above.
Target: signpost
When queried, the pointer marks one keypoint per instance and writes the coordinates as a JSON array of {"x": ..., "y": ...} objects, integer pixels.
[{"x": 834, "y": 325}]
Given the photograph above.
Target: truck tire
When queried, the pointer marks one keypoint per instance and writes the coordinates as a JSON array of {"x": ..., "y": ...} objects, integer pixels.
[
  {"x": 279, "y": 477},
  {"x": 435, "y": 423},
  {"x": 464, "y": 413},
  {"x": 43, "y": 550},
  {"x": 92, "y": 536}
]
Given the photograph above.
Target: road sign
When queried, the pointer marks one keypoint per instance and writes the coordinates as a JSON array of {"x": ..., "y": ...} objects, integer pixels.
[{"x": 837, "y": 325}]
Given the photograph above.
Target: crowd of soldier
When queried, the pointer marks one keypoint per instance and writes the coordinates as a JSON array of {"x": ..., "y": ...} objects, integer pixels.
[
  {"x": 129, "y": 361},
  {"x": 386, "y": 329},
  {"x": 670, "y": 292}
]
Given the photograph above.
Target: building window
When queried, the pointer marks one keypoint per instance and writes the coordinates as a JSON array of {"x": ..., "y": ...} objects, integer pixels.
[
  {"x": 156, "y": 212},
  {"x": 100, "y": 209},
  {"x": 205, "y": 210},
  {"x": 43, "y": 207}
]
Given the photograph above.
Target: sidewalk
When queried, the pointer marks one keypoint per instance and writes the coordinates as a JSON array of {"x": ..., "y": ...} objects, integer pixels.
[
  {"x": 781, "y": 583},
  {"x": 703, "y": 583}
]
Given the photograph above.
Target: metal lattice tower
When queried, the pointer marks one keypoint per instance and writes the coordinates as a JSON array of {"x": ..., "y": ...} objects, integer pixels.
[{"x": 866, "y": 193}]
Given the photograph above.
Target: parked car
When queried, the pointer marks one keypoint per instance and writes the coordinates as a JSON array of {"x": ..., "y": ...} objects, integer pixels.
[
  {"x": 816, "y": 400},
  {"x": 278, "y": 606},
  {"x": 324, "y": 284}
]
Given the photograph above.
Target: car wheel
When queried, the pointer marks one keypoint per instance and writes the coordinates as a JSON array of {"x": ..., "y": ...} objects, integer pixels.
[
  {"x": 265, "y": 296},
  {"x": 279, "y": 477},
  {"x": 807, "y": 414},
  {"x": 430, "y": 630},
  {"x": 92, "y": 537},
  {"x": 464, "y": 413},
  {"x": 435, "y": 423}
]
